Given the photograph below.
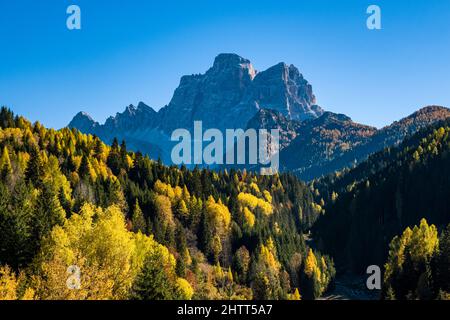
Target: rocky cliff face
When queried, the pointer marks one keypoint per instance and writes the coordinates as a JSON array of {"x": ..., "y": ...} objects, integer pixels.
[
  {"x": 83, "y": 122},
  {"x": 226, "y": 96},
  {"x": 271, "y": 119},
  {"x": 282, "y": 88},
  {"x": 232, "y": 95},
  {"x": 132, "y": 118},
  {"x": 211, "y": 97}
]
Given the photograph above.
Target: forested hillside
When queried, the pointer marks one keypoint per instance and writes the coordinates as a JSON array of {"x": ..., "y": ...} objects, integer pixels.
[
  {"x": 418, "y": 264},
  {"x": 393, "y": 190},
  {"x": 131, "y": 228}
]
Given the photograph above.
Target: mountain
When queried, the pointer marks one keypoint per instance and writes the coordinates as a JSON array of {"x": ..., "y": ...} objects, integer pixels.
[
  {"x": 333, "y": 142},
  {"x": 233, "y": 95},
  {"x": 84, "y": 122},
  {"x": 227, "y": 96},
  {"x": 282, "y": 88},
  {"x": 390, "y": 191},
  {"x": 143, "y": 230},
  {"x": 270, "y": 119},
  {"x": 135, "y": 126},
  {"x": 322, "y": 140}
]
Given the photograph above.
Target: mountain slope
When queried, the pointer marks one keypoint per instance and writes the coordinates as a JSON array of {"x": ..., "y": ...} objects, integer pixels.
[
  {"x": 378, "y": 199},
  {"x": 227, "y": 96},
  {"x": 322, "y": 140},
  {"x": 326, "y": 146},
  {"x": 271, "y": 119},
  {"x": 233, "y": 95},
  {"x": 66, "y": 197}
]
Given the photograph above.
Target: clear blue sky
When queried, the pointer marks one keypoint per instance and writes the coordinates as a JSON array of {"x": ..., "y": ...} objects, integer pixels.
[{"x": 137, "y": 50}]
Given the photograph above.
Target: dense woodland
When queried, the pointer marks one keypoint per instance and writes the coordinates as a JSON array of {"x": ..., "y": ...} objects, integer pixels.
[
  {"x": 134, "y": 228},
  {"x": 385, "y": 197},
  {"x": 137, "y": 229}
]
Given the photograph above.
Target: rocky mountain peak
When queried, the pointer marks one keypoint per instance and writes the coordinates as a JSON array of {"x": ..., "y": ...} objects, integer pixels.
[
  {"x": 283, "y": 88},
  {"x": 225, "y": 62},
  {"x": 83, "y": 122},
  {"x": 329, "y": 117}
]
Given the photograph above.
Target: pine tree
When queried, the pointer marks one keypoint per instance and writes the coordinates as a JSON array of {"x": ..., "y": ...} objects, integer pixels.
[
  {"x": 6, "y": 118},
  {"x": 296, "y": 295},
  {"x": 113, "y": 160},
  {"x": 138, "y": 219},
  {"x": 35, "y": 168},
  {"x": 47, "y": 214},
  {"x": 84, "y": 169},
  {"x": 123, "y": 154},
  {"x": 5, "y": 164},
  {"x": 155, "y": 282}
]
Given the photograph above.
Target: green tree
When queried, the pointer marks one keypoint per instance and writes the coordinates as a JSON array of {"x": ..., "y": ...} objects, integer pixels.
[
  {"x": 138, "y": 219},
  {"x": 156, "y": 281},
  {"x": 47, "y": 214},
  {"x": 35, "y": 168},
  {"x": 5, "y": 164}
]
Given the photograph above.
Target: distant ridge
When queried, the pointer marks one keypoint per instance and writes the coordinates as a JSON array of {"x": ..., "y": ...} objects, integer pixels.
[{"x": 232, "y": 94}]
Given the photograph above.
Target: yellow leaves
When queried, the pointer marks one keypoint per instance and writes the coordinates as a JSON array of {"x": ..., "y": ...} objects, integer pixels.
[
  {"x": 186, "y": 195},
  {"x": 295, "y": 296},
  {"x": 218, "y": 218},
  {"x": 219, "y": 275},
  {"x": 218, "y": 214},
  {"x": 164, "y": 189},
  {"x": 267, "y": 255},
  {"x": 267, "y": 196},
  {"x": 164, "y": 210},
  {"x": 252, "y": 202},
  {"x": 10, "y": 285},
  {"x": 182, "y": 208},
  {"x": 249, "y": 218},
  {"x": 310, "y": 264},
  {"x": 23, "y": 159},
  {"x": 108, "y": 256},
  {"x": 229, "y": 276},
  {"x": 248, "y": 200},
  {"x": 29, "y": 294},
  {"x": 5, "y": 162},
  {"x": 54, "y": 177},
  {"x": 184, "y": 289},
  {"x": 316, "y": 208},
  {"x": 129, "y": 162},
  {"x": 175, "y": 194},
  {"x": 98, "y": 169},
  {"x": 254, "y": 187},
  {"x": 12, "y": 134},
  {"x": 419, "y": 244},
  {"x": 424, "y": 241}
]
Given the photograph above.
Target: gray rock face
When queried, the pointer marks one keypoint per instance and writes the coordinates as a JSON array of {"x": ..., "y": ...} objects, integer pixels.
[
  {"x": 333, "y": 141},
  {"x": 211, "y": 97},
  {"x": 132, "y": 118},
  {"x": 232, "y": 95},
  {"x": 282, "y": 88},
  {"x": 271, "y": 119},
  {"x": 83, "y": 122},
  {"x": 227, "y": 96}
]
